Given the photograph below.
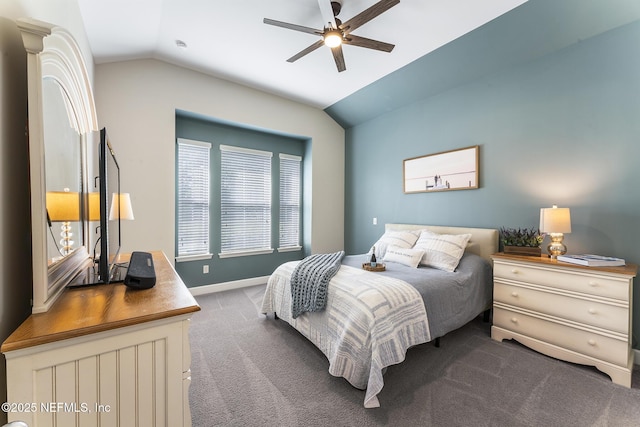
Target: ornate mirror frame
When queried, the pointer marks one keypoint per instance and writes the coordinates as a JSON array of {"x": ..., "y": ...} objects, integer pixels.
[{"x": 53, "y": 53}]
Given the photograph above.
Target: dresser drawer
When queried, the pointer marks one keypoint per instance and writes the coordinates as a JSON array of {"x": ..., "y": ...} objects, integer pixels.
[
  {"x": 598, "y": 314},
  {"x": 591, "y": 284},
  {"x": 584, "y": 342}
]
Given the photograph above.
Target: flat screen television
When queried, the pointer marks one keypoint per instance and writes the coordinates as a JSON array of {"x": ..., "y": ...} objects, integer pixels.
[
  {"x": 110, "y": 238},
  {"x": 105, "y": 267}
]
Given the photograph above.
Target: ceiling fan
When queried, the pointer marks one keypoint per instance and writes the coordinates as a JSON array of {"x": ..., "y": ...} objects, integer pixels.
[{"x": 336, "y": 33}]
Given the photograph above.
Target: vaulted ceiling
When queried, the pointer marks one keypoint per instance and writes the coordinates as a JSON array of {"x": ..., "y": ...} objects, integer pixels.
[
  {"x": 439, "y": 44},
  {"x": 228, "y": 39}
]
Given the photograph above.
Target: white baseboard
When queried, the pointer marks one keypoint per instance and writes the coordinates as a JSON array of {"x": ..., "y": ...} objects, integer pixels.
[{"x": 226, "y": 286}]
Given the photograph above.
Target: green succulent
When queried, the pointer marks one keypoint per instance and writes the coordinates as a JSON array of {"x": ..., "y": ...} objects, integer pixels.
[{"x": 527, "y": 237}]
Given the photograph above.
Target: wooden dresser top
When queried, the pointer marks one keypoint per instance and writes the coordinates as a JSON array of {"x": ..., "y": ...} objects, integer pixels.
[
  {"x": 84, "y": 311},
  {"x": 628, "y": 270}
]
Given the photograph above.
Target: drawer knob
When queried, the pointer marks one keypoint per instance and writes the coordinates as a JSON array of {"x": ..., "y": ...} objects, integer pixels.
[
  {"x": 593, "y": 284},
  {"x": 514, "y": 294},
  {"x": 514, "y": 320},
  {"x": 592, "y": 311},
  {"x": 514, "y": 271},
  {"x": 592, "y": 342}
]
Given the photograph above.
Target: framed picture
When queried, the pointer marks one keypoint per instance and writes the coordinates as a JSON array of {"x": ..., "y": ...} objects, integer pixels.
[{"x": 449, "y": 170}]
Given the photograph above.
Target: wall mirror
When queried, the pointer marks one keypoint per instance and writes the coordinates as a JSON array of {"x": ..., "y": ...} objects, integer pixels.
[
  {"x": 63, "y": 174},
  {"x": 449, "y": 170},
  {"x": 62, "y": 124}
]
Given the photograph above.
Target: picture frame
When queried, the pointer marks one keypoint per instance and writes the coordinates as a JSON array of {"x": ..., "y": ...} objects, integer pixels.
[{"x": 445, "y": 171}]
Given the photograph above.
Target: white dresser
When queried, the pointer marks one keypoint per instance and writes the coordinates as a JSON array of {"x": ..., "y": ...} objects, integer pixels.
[
  {"x": 570, "y": 312},
  {"x": 105, "y": 355}
]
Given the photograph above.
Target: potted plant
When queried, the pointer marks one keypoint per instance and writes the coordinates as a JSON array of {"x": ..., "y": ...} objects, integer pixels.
[{"x": 521, "y": 241}]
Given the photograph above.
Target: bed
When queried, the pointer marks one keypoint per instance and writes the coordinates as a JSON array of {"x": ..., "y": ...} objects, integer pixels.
[{"x": 371, "y": 318}]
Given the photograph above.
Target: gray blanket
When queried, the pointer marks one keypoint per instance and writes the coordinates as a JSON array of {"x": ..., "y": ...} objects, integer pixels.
[{"x": 309, "y": 282}]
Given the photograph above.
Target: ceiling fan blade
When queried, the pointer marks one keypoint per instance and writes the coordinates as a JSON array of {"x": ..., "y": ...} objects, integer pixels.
[
  {"x": 292, "y": 26},
  {"x": 306, "y": 51},
  {"x": 367, "y": 15},
  {"x": 339, "y": 58},
  {"x": 354, "y": 40},
  {"x": 327, "y": 14}
]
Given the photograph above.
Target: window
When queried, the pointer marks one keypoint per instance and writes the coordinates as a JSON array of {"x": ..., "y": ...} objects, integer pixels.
[
  {"x": 289, "y": 202},
  {"x": 193, "y": 198},
  {"x": 245, "y": 201}
]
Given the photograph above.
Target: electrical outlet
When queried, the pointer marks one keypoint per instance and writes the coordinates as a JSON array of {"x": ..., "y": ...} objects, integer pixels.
[
  {"x": 375, "y": 221},
  {"x": 205, "y": 269}
]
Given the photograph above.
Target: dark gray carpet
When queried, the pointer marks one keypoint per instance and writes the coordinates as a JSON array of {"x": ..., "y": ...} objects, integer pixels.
[{"x": 248, "y": 370}]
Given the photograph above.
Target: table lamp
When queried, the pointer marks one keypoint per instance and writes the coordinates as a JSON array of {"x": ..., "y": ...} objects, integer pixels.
[
  {"x": 555, "y": 221},
  {"x": 64, "y": 207}
]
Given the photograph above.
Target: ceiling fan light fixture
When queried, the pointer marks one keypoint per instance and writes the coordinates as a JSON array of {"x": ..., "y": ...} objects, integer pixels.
[
  {"x": 335, "y": 33},
  {"x": 333, "y": 39}
]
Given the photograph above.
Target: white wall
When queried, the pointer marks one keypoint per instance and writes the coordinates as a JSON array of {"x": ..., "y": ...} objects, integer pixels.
[{"x": 136, "y": 102}]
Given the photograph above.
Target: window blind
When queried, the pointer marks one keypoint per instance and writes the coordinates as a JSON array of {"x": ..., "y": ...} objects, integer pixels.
[
  {"x": 245, "y": 196},
  {"x": 290, "y": 201},
  {"x": 193, "y": 197}
]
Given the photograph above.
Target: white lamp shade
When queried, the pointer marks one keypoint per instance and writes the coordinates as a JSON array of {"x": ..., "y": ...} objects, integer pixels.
[
  {"x": 555, "y": 220},
  {"x": 63, "y": 206},
  {"x": 121, "y": 203}
]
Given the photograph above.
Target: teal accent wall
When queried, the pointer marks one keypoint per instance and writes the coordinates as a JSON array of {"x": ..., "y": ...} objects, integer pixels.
[
  {"x": 561, "y": 129},
  {"x": 193, "y": 126},
  {"x": 524, "y": 34}
]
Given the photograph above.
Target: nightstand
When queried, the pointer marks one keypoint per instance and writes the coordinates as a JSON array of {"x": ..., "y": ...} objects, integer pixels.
[{"x": 570, "y": 312}]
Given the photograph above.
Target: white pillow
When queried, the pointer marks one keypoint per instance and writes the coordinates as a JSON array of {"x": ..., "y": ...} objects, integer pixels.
[
  {"x": 401, "y": 239},
  {"x": 406, "y": 256},
  {"x": 442, "y": 251}
]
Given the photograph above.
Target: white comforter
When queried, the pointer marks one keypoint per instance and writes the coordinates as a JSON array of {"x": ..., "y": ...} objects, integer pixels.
[{"x": 369, "y": 322}]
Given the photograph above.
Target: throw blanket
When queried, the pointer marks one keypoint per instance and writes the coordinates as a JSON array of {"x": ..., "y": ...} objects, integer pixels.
[
  {"x": 309, "y": 282},
  {"x": 369, "y": 322}
]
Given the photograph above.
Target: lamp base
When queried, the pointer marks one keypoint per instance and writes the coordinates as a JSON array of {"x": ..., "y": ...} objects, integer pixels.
[
  {"x": 556, "y": 247},
  {"x": 66, "y": 242}
]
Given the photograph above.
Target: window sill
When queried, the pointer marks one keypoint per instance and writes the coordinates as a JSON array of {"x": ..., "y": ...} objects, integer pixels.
[
  {"x": 290, "y": 249},
  {"x": 245, "y": 253},
  {"x": 187, "y": 258}
]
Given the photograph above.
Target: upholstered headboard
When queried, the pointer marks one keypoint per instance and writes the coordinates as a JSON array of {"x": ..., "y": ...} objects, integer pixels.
[{"x": 484, "y": 241}]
